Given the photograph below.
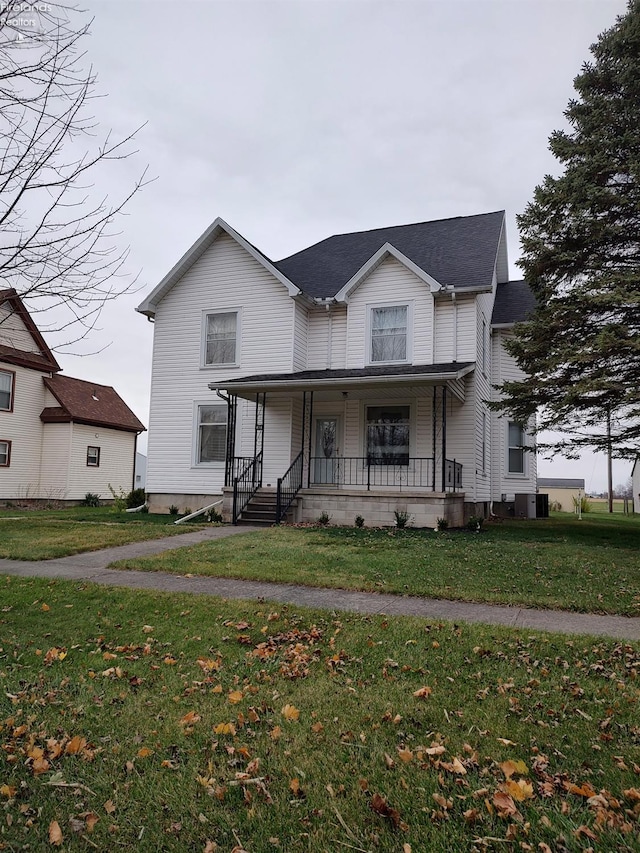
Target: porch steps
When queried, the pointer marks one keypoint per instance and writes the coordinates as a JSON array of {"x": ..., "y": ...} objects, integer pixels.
[{"x": 261, "y": 509}]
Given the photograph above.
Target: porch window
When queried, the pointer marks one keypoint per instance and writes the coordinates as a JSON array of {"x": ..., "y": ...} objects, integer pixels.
[
  {"x": 221, "y": 333},
  {"x": 7, "y": 380},
  {"x": 388, "y": 435},
  {"x": 5, "y": 454},
  {"x": 212, "y": 434},
  {"x": 389, "y": 333},
  {"x": 516, "y": 448},
  {"x": 93, "y": 457}
]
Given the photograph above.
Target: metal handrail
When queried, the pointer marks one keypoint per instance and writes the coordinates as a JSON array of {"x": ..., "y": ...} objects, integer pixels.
[
  {"x": 288, "y": 487},
  {"x": 246, "y": 484},
  {"x": 383, "y": 472}
]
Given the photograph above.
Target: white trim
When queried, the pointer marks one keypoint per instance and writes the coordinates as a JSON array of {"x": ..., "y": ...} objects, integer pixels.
[
  {"x": 401, "y": 401},
  {"x": 517, "y": 475},
  {"x": 395, "y": 303},
  {"x": 219, "y": 226},
  {"x": 195, "y": 435},
  {"x": 375, "y": 260},
  {"x": 203, "y": 338}
]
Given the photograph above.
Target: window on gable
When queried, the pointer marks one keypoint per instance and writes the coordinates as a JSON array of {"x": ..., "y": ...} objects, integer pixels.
[
  {"x": 212, "y": 434},
  {"x": 389, "y": 331},
  {"x": 221, "y": 338},
  {"x": 5, "y": 454},
  {"x": 7, "y": 383},
  {"x": 93, "y": 457},
  {"x": 388, "y": 435},
  {"x": 516, "y": 448}
]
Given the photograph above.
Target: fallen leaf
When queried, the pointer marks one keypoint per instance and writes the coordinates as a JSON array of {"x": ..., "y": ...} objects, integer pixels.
[
  {"x": 380, "y": 806},
  {"x": 504, "y": 804},
  {"x": 55, "y": 833},
  {"x": 236, "y": 696},
  {"x": 290, "y": 713},
  {"x": 147, "y": 629},
  {"x": 75, "y": 745},
  {"x": 405, "y": 755},
  {"x": 224, "y": 729},
  {"x": 109, "y": 807},
  {"x": 8, "y": 791},
  {"x": 520, "y": 790},
  {"x": 423, "y": 693},
  {"x": 190, "y": 718},
  {"x": 45, "y": 607}
]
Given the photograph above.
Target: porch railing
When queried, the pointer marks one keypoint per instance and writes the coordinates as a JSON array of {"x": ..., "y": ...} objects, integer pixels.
[
  {"x": 247, "y": 479},
  {"x": 288, "y": 487},
  {"x": 372, "y": 472},
  {"x": 452, "y": 475}
]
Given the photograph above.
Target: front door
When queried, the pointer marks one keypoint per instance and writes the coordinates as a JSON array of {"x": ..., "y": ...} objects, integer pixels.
[{"x": 326, "y": 450}]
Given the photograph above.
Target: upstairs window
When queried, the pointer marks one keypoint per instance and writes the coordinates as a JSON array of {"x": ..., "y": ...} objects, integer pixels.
[
  {"x": 221, "y": 338},
  {"x": 7, "y": 382},
  {"x": 212, "y": 434},
  {"x": 516, "y": 448},
  {"x": 389, "y": 333},
  {"x": 93, "y": 457},
  {"x": 388, "y": 435},
  {"x": 5, "y": 454}
]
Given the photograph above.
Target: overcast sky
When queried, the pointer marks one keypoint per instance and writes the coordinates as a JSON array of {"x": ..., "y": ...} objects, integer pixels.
[{"x": 297, "y": 119}]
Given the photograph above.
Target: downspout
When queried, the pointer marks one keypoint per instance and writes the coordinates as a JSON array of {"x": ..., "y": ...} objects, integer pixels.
[
  {"x": 455, "y": 325},
  {"x": 135, "y": 449}
]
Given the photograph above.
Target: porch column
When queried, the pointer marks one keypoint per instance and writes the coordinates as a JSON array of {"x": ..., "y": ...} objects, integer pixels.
[
  {"x": 232, "y": 405},
  {"x": 309, "y": 438},
  {"x": 434, "y": 417},
  {"x": 444, "y": 437}
]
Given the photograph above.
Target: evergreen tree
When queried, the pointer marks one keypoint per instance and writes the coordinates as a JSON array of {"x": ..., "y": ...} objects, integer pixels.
[{"x": 581, "y": 257}]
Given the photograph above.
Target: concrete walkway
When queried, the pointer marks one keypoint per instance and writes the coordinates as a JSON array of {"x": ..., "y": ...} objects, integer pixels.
[{"x": 92, "y": 566}]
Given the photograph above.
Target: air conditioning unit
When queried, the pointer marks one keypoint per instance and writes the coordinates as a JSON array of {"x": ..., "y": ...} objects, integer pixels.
[
  {"x": 507, "y": 498},
  {"x": 525, "y": 506}
]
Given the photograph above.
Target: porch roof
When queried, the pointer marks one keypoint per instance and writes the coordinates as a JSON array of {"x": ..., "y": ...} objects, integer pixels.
[{"x": 346, "y": 379}]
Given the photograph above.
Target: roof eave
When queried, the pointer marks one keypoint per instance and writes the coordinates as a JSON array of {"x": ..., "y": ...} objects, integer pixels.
[{"x": 388, "y": 250}]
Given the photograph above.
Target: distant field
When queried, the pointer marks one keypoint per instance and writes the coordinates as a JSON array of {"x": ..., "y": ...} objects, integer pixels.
[{"x": 602, "y": 505}]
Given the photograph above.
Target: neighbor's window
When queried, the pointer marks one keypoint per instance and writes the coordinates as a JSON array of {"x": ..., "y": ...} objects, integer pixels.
[
  {"x": 7, "y": 381},
  {"x": 389, "y": 327},
  {"x": 388, "y": 435},
  {"x": 516, "y": 448},
  {"x": 93, "y": 457},
  {"x": 212, "y": 434},
  {"x": 5, "y": 454},
  {"x": 221, "y": 333}
]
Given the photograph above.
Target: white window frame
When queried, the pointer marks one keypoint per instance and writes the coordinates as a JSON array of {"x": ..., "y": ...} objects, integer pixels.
[
  {"x": 517, "y": 474},
  {"x": 404, "y": 303},
  {"x": 7, "y": 453},
  {"x": 12, "y": 390},
  {"x": 199, "y": 404},
  {"x": 203, "y": 339},
  {"x": 367, "y": 404},
  {"x": 95, "y": 456}
]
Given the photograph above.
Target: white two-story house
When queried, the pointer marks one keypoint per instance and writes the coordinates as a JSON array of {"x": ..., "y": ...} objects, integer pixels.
[{"x": 351, "y": 378}]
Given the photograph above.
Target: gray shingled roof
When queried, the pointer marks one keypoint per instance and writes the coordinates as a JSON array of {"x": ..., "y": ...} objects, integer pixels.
[
  {"x": 560, "y": 483},
  {"x": 460, "y": 252},
  {"x": 353, "y": 373},
  {"x": 514, "y": 303}
]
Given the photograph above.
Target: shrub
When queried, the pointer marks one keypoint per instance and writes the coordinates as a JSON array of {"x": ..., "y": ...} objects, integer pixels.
[
  {"x": 324, "y": 518},
  {"x": 90, "y": 500},
  {"x": 119, "y": 498},
  {"x": 584, "y": 504},
  {"x": 359, "y": 521},
  {"x": 214, "y": 516},
  {"x": 475, "y": 523},
  {"x": 135, "y": 498},
  {"x": 403, "y": 518},
  {"x": 173, "y": 510},
  {"x": 555, "y": 506},
  {"x": 187, "y": 510},
  {"x": 442, "y": 524},
  {"x": 144, "y": 510}
]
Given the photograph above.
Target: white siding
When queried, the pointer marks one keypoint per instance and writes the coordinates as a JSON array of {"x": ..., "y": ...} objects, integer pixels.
[
  {"x": 444, "y": 330},
  {"x": 390, "y": 282},
  {"x": 505, "y": 369},
  {"x": 54, "y": 466},
  {"x": 318, "y": 340},
  {"x": 300, "y": 332},
  {"x": 338, "y": 337},
  {"x": 224, "y": 277},
  {"x": 23, "y": 428},
  {"x": 116, "y": 462},
  {"x": 14, "y": 333}
]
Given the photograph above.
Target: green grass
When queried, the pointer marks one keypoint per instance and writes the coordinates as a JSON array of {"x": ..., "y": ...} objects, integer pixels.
[
  {"x": 162, "y": 717},
  {"x": 591, "y": 565},
  {"x": 47, "y": 534}
]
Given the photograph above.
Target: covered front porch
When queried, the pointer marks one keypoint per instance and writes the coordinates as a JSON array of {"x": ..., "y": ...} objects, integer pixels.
[{"x": 342, "y": 443}]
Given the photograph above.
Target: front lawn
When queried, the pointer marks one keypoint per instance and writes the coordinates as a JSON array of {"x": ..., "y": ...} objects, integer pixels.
[
  {"x": 591, "y": 565},
  {"x": 48, "y": 534},
  {"x": 147, "y": 721}
]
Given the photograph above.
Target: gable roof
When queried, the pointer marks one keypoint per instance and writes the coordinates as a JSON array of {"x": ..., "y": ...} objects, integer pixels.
[
  {"x": 219, "y": 226},
  {"x": 459, "y": 252},
  {"x": 514, "y": 303},
  {"x": 88, "y": 403},
  {"x": 40, "y": 358},
  {"x": 560, "y": 483}
]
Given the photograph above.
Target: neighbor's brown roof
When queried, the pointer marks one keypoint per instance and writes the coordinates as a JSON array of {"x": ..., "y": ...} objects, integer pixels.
[
  {"x": 88, "y": 403},
  {"x": 42, "y": 358}
]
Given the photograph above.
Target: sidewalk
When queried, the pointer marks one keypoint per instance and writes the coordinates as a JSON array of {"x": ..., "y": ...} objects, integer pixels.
[{"x": 92, "y": 566}]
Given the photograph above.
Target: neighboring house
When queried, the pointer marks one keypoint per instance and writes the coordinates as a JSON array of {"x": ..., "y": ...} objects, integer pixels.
[
  {"x": 561, "y": 491},
  {"x": 140, "y": 474},
  {"x": 59, "y": 437},
  {"x": 351, "y": 377}
]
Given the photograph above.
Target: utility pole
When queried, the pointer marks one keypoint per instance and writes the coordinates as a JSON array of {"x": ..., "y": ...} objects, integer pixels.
[{"x": 609, "y": 463}]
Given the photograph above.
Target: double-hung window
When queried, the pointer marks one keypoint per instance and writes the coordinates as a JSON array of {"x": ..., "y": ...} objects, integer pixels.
[
  {"x": 221, "y": 338},
  {"x": 7, "y": 381},
  {"x": 388, "y": 435},
  {"x": 93, "y": 457},
  {"x": 211, "y": 434},
  {"x": 389, "y": 333},
  {"x": 516, "y": 442},
  {"x": 5, "y": 454}
]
